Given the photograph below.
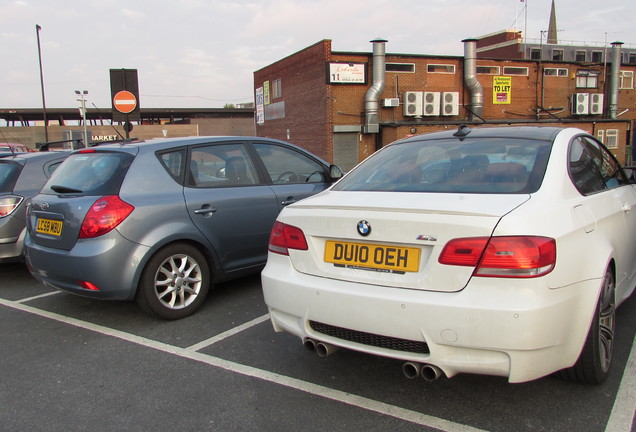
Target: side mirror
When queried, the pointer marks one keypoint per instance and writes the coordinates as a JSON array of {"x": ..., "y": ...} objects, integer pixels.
[{"x": 335, "y": 173}]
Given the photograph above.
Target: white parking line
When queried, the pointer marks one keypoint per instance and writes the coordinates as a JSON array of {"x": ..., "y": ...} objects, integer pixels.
[
  {"x": 314, "y": 389},
  {"x": 624, "y": 409},
  {"x": 231, "y": 332},
  {"x": 621, "y": 417},
  {"x": 24, "y": 300}
]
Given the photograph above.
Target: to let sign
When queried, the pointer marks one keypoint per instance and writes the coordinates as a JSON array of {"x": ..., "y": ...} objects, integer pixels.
[
  {"x": 125, "y": 102},
  {"x": 501, "y": 89}
]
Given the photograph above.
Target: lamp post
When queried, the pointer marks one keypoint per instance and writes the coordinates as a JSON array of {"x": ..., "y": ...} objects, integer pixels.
[
  {"x": 81, "y": 101},
  {"x": 46, "y": 123}
]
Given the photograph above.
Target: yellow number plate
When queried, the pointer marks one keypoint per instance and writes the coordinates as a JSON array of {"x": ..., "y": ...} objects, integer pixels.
[
  {"x": 383, "y": 258},
  {"x": 48, "y": 226}
]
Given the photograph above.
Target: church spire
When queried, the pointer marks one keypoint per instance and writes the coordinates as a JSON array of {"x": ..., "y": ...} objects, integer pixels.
[{"x": 552, "y": 28}]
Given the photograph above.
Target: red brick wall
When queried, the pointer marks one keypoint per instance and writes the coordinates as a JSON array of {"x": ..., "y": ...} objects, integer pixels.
[
  {"x": 313, "y": 107},
  {"x": 306, "y": 95}
]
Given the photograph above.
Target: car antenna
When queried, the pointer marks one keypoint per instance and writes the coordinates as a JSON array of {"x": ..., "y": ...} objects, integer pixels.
[{"x": 462, "y": 131}]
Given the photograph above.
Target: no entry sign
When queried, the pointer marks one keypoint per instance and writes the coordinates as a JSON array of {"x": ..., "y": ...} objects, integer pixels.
[{"x": 124, "y": 102}]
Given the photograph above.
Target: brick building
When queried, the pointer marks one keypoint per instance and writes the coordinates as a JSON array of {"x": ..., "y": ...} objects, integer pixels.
[{"x": 345, "y": 105}]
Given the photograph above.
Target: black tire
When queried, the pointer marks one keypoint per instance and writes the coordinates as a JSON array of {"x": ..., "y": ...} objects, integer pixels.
[
  {"x": 595, "y": 360},
  {"x": 174, "y": 283}
]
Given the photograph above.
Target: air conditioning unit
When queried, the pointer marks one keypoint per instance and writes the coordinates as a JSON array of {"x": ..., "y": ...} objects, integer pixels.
[
  {"x": 450, "y": 103},
  {"x": 413, "y": 103},
  {"x": 390, "y": 102},
  {"x": 596, "y": 103},
  {"x": 431, "y": 104},
  {"x": 580, "y": 103}
]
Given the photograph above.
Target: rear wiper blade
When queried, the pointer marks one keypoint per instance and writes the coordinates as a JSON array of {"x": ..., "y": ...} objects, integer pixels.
[{"x": 65, "y": 189}]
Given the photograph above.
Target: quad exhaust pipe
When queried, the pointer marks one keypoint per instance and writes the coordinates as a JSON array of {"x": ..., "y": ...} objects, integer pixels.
[
  {"x": 323, "y": 349},
  {"x": 410, "y": 369},
  {"x": 427, "y": 371}
]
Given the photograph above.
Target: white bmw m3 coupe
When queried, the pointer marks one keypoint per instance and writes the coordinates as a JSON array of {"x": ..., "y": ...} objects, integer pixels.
[{"x": 495, "y": 250}]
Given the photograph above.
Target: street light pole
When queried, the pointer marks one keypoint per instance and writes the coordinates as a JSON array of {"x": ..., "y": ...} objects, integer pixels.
[
  {"x": 82, "y": 108},
  {"x": 46, "y": 123}
]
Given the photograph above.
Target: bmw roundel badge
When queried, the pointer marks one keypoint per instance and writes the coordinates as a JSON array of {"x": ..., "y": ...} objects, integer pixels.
[{"x": 364, "y": 229}]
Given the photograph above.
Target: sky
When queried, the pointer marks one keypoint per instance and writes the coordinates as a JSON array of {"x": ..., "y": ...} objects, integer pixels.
[{"x": 203, "y": 53}]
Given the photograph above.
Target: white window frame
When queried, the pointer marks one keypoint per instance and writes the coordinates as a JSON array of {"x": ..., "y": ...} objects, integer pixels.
[
  {"x": 441, "y": 66},
  {"x": 515, "y": 70},
  {"x": 557, "y": 72},
  {"x": 411, "y": 67},
  {"x": 277, "y": 88},
  {"x": 611, "y": 138},
  {"x": 496, "y": 70},
  {"x": 587, "y": 79},
  {"x": 626, "y": 79}
]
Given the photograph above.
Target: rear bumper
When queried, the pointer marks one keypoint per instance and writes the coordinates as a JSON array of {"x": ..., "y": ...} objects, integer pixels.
[
  {"x": 110, "y": 262},
  {"x": 519, "y": 329}
]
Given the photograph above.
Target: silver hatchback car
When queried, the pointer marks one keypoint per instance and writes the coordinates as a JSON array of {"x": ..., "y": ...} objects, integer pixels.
[{"x": 161, "y": 221}]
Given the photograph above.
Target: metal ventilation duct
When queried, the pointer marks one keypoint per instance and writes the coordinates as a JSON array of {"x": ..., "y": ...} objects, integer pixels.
[
  {"x": 470, "y": 78},
  {"x": 616, "y": 67},
  {"x": 372, "y": 98}
]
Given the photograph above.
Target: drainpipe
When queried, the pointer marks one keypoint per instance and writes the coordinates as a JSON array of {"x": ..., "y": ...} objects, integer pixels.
[
  {"x": 372, "y": 98},
  {"x": 616, "y": 67},
  {"x": 470, "y": 78}
]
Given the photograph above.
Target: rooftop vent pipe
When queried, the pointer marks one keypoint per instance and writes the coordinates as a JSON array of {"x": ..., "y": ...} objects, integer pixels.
[
  {"x": 372, "y": 98},
  {"x": 616, "y": 67},
  {"x": 470, "y": 78}
]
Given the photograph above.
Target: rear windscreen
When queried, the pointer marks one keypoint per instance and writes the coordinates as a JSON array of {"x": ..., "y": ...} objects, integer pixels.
[
  {"x": 99, "y": 173},
  {"x": 9, "y": 173},
  {"x": 479, "y": 165}
]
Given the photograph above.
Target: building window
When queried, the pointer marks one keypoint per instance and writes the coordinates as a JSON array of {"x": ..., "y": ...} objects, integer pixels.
[
  {"x": 611, "y": 138},
  {"x": 630, "y": 58},
  {"x": 277, "y": 88},
  {"x": 561, "y": 72},
  {"x": 587, "y": 79},
  {"x": 557, "y": 54},
  {"x": 579, "y": 56},
  {"x": 597, "y": 56},
  {"x": 440, "y": 68},
  {"x": 399, "y": 67},
  {"x": 513, "y": 70},
  {"x": 488, "y": 70},
  {"x": 626, "y": 79},
  {"x": 600, "y": 134},
  {"x": 535, "y": 53}
]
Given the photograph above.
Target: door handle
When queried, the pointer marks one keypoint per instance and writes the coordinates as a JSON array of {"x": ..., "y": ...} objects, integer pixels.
[
  {"x": 205, "y": 211},
  {"x": 288, "y": 201}
]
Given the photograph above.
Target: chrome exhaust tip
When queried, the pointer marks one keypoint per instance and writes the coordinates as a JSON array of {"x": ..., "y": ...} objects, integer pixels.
[{"x": 411, "y": 369}]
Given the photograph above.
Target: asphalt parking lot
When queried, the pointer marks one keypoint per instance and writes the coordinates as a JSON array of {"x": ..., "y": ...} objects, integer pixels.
[{"x": 71, "y": 363}]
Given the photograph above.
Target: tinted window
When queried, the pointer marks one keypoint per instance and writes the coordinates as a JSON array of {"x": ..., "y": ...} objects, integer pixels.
[
  {"x": 99, "y": 173},
  {"x": 9, "y": 173},
  {"x": 592, "y": 167},
  {"x": 220, "y": 165},
  {"x": 285, "y": 165},
  {"x": 497, "y": 166}
]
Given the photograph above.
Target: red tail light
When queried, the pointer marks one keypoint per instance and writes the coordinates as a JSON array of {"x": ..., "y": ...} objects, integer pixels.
[
  {"x": 104, "y": 215},
  {"x": 8, "y": 204},
  {"x": 88, "y": 285},
  {"x": 513, "y": 257},
  {"x": 285, "y": 237}
]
